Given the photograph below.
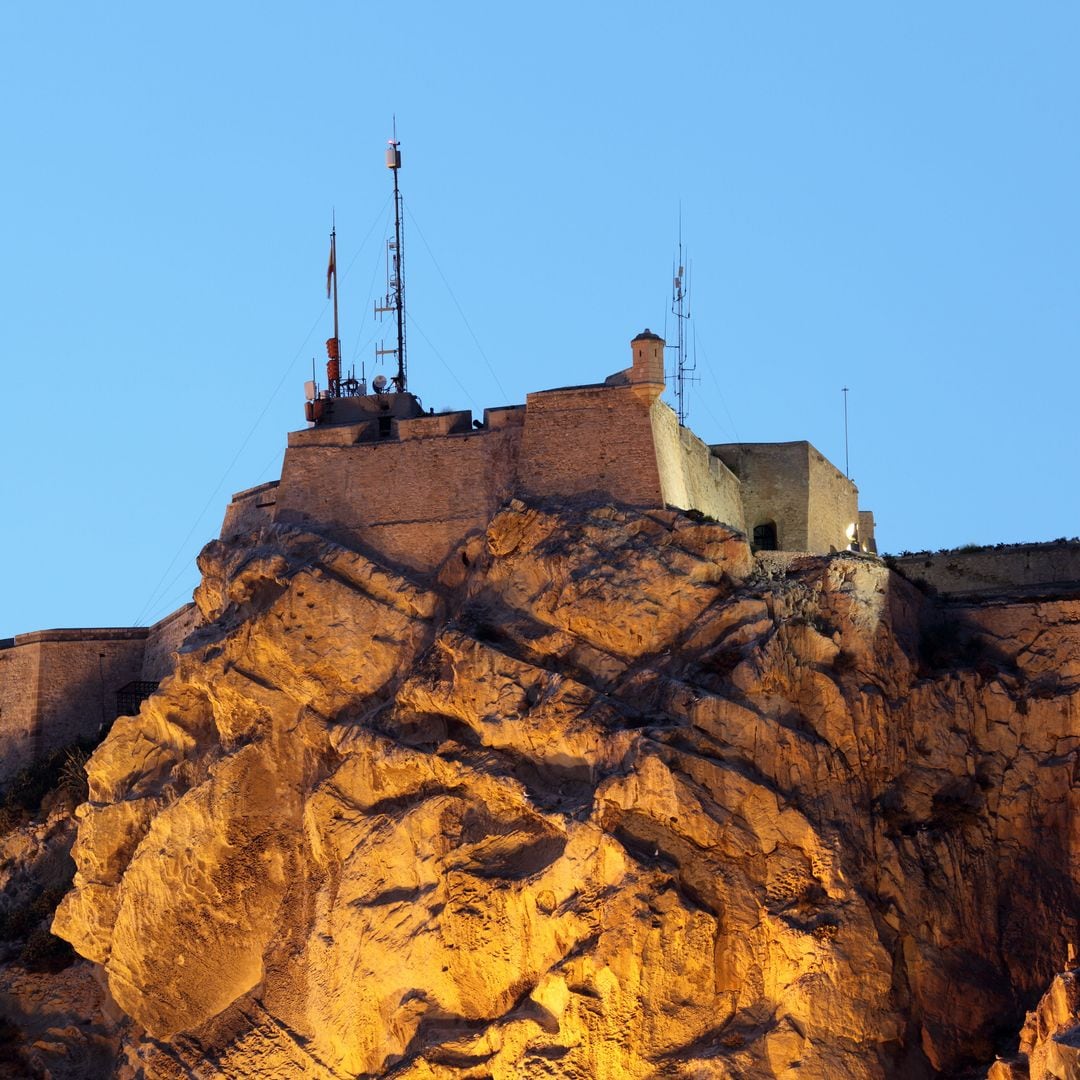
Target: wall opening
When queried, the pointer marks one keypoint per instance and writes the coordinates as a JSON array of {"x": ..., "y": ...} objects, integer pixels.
[
  {"x": 765, "y": 537},
  {"x": 131, "y": 695}
]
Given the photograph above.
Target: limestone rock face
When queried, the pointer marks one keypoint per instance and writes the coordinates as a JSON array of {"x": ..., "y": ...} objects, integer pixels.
[{"x": 609, "y": 798}]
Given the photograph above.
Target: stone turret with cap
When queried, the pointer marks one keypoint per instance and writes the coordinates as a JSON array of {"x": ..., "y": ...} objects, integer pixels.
[{"x": 647, "y": 371}]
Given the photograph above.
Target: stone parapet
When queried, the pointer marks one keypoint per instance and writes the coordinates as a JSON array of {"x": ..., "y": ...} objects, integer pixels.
[{"x": 990, "y": 571}]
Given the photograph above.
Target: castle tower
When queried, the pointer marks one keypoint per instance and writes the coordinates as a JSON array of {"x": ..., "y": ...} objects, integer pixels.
[{"x": 647, "y": 371}]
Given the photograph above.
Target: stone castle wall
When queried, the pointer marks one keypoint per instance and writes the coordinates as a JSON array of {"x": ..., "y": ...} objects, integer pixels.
[
  {"x": 774, "y": 480},
  {"x": 691, "y": 476},
  {"x": 810, "y": 501},
  {"x": 163, "y": 639},
  {"x": 249, "y": 510},
  {"x": 833, "y": 505},
  {"x": 590, "y": 441},
  {"x": 995, "y": 570},
  {"x": 59, "y": 686},
  {"x": 19, "y": 666},
  {"x": 409, "y": 499},
  {"x": 415, "y": 494}
]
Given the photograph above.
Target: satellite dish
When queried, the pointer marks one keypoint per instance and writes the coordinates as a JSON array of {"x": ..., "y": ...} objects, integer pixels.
[{"x": 379, "y": 383}]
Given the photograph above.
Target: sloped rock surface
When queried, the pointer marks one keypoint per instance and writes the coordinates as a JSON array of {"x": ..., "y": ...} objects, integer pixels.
[
  {"x": 1050, "y": 1038},
  {"x": 609, "y": 799}
]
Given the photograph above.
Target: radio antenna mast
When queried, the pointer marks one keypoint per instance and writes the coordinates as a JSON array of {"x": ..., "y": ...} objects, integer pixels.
[
  {"x": 333, "y": 345},
  {"x": 395, "y": 282},
  {"x": 680, "y": 307}
]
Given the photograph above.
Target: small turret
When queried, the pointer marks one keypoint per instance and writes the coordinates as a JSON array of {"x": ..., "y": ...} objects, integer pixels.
[{"x": 647, "y": 371}]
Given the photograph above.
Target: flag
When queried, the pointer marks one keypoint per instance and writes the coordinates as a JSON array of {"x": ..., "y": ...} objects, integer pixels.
[{"x": 331, "y": 268}]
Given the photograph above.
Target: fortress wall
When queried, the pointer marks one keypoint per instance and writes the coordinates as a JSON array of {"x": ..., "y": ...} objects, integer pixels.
[
  {"x": 19, "y": 665},
  {"x": 968, "y": 573},
  {"x": 691, "y": 477},
  {"x": 57, "y": 686},
  {"x": 590, "y": 440},
  {"x": 774, "y": 479},
  {"x": 163, "y": 639},
  {"x": 79, "y": 679},
  {"x": 250, "y": 510},
  {"x": 833, "y": 507},
  {"x": 411, "y": 499}
]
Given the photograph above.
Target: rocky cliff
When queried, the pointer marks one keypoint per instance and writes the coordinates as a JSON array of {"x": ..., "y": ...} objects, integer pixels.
[{"x": 609, "y": 799}]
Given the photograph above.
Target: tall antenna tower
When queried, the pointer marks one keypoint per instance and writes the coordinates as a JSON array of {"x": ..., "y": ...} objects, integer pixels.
[
  {"x": 395, "y": 282},
  {"x": 680, "y": 308}
]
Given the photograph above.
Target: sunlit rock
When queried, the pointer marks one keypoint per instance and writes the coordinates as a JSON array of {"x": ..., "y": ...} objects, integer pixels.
[{"x": 605, "y": 798}]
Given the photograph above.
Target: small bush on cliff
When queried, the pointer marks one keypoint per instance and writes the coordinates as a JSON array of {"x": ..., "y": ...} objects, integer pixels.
[{"x": 57, "y": 778}]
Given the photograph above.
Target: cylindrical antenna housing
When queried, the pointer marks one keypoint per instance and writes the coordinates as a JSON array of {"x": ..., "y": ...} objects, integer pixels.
[
  {"x": 393, "y": 155},
  {"x": 333, "y": 363}
]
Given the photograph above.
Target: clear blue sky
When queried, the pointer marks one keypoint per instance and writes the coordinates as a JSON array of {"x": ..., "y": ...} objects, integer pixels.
[{"x": 882, "y": 196}]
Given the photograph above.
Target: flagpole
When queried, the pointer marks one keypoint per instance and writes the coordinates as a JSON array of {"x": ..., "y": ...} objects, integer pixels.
[
  {"x": 333, "y": 345},
  {"x": 333, "y": 256}
]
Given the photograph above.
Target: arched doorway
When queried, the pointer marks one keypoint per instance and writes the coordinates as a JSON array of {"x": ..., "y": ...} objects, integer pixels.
[{"x": 765, "y": 536}]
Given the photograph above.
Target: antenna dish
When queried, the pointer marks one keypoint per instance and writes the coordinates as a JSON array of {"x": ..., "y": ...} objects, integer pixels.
[{"x": 379, "y": 383}]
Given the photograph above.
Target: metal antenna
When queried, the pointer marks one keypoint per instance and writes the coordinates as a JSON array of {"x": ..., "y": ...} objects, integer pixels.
[
  {"x": 847, "y": 469},
  {"x": 680, "y": 307},
  {"x": 333, "y": 345},
  {"x": 395, "y": 282}
]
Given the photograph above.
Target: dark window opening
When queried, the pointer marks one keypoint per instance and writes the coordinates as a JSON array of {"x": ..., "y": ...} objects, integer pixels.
[
  {"x": 385, "y": 427},
  {"x": 130, "y": 696},
  {"x": 765, "y": 537}
]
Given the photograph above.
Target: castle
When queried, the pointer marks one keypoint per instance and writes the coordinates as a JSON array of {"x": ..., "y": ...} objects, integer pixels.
[{"x": 377, "y": 472}]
